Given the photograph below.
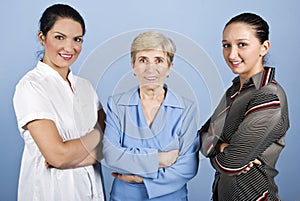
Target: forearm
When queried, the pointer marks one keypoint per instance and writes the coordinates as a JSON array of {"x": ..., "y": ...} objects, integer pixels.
[
  {"x": 93, "y": 157},
  {"x": 173, "y": 178},
  {"x": 248, "y": 143},
  {"x": 77, "y": 152},
  {"x": 89, "y": 160},
  {"x": 120, "y": 159}
]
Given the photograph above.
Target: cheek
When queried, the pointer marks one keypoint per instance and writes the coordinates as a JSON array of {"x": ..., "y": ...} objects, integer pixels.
[
  {"x": 252, "y": 54},
  {"x": 225, "y": 54},
  {"x": 167, "y": 71},
  {"x": 136, "y": 70},
  {"x": 78, "y": 48},
  {"x": 50, "y": 45},
  {"x": 50, "y": 48}
]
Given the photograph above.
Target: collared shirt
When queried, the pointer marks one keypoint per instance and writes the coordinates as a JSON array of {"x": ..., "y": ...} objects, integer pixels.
[
  {"x": 253, "y": 121},
  {"x": 130, "y": 146},
  {"x": 43, "y": 94}
]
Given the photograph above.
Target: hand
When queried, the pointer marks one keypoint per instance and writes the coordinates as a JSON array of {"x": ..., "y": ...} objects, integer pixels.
[
  {"x": 223, "y": 146},
  {"x": 166, "y": 159},
  {"x": 128, "y": 178},
  {"x": 250, "y": 165}
]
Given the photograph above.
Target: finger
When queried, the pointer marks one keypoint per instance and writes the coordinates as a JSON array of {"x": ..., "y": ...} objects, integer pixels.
[
  {"x": 123, "y": 177},
  {"x": 244, "y": 171},
  {"x": 116, "y": 175},
  {"x": 257, "y": 162}
]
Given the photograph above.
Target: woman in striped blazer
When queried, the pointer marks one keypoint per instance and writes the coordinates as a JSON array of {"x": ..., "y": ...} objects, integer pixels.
[{"x": 245, "y": 135}]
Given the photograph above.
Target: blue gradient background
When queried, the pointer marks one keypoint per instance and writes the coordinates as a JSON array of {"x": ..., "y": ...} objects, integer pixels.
[{"x": 200, "y": 20}]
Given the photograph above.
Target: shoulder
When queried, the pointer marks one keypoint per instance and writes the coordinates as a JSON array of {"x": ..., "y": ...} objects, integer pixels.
[
  {"x": 272, "y": 89},
  {"x": 177, "y": 100},
  {"x": 32, "y": 79},
  {"x": 130, "y": 97},
  {"x": 82, "y": 81}
]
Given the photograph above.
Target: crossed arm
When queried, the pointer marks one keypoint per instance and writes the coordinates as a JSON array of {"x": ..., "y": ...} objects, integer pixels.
[{"x": 66, "y": 154}]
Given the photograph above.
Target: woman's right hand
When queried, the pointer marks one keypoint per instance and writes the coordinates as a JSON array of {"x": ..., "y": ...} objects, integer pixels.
[
  {"x": 168, "y": 158},
  {"x": 222, "y": 146}
]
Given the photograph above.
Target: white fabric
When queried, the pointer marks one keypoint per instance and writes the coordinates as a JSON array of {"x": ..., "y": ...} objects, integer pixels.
[{"x": 43, "y": 94}]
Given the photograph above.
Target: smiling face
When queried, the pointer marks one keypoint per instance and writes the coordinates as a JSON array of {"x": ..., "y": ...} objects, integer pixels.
[
  {"x": 151, "y": 68},
  {"x": 62, "y": 44},
  {"x": 242, "y": 50}
]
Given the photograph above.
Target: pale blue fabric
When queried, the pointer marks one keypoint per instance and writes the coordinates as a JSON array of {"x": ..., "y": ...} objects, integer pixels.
[{"x": 130, "y": 146}]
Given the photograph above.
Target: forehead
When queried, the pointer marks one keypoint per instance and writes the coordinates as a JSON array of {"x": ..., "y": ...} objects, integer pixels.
[
  {"x": 239, "y": 30},
  {"x": 67, "y": 26},
  {"x": 151, "y": 53}
]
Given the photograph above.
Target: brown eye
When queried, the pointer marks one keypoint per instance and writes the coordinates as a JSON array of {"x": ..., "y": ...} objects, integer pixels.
[
  {"x": 59, "y": 37},
  {"x": 78, "y": 39},
  {"x": 225, "y": 45},
  {"x": 242, "y": 44},
  {"x": 160, "y": 61},
  {"x": 142, "y": 60}
]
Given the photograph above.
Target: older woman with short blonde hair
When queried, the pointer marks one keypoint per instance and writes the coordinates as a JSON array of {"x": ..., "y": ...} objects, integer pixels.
[{"x": 151, "y": 140}]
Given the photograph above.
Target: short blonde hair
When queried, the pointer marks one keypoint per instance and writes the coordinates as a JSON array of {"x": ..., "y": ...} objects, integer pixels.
[{"x": 151, "y": 40}]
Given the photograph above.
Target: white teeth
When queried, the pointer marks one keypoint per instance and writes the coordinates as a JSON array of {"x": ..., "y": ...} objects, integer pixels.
[
  {"x": 236, "y": 62},
  {"x": 66, "y": 55},
  {"x": 151, "y": 78}
]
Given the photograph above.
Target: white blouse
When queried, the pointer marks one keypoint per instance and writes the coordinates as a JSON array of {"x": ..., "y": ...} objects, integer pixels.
[{"x": 43, "y": 94}]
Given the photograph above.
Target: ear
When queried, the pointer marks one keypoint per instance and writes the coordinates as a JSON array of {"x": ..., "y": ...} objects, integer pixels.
[
  {"x": 132, "y": 68},
  {"x": 41, "y": 38},
  {"x": 132, "y": 64},
  {"x": 265, "y": 48},
  {"x": 170, "y": 68}
]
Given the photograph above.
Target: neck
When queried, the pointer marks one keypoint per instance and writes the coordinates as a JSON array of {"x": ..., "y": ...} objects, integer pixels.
[
  {"x": 62, "y": 71},
  {"x": 152, "y": 94}
]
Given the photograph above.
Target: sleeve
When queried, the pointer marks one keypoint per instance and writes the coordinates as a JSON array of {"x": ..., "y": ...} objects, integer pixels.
[
  {"x": 96, "y": 98},
  {"x": 173, "y": 178},
  {"x": 121, "y": 158},
  {"x": 210, "y": 132},
  {"x": 255, "y": 134},
  {"x": 30, "y": 103}
]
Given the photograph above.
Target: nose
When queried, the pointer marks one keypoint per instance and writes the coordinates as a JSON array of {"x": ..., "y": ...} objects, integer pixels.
[
  {"x": 69, "y": 46},
  {"x": 233, "y": 52},
  {"x": 151, "y": 67}
]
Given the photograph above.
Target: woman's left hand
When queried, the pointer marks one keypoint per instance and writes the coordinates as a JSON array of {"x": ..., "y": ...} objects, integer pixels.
[
  {"x": 128, "y": 178},
  {"x": 250, "y": 165}
]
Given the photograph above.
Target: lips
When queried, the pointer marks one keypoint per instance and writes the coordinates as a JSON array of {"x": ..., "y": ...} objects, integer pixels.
[
  {"x": 151, "y": 78},
  {"x": 66, "y": 57},
  {"x": 235, "y": 63}
]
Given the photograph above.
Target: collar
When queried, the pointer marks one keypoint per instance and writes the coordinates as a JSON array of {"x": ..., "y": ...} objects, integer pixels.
[
  {"x": 259, "y": 80},
  {"x": 47, "y": 70}
]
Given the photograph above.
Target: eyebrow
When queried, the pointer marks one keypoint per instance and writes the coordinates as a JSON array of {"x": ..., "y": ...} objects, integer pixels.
[
  {"x": 57, "y": 32},
  {"x": 242, "y": 39},
  {"x": 159, "y": 57}
]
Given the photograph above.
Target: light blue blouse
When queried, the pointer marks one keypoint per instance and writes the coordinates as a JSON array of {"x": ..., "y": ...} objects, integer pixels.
[{"x": 130, "y": 146}]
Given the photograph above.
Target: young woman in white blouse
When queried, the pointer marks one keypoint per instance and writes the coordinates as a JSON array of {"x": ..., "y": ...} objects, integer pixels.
[{"x": 57, "y": 114}]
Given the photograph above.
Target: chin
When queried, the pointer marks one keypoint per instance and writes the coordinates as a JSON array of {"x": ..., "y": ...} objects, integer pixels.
[
  {"x": 150, "y": 86},
  {"x": 234, "y": 70}
]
